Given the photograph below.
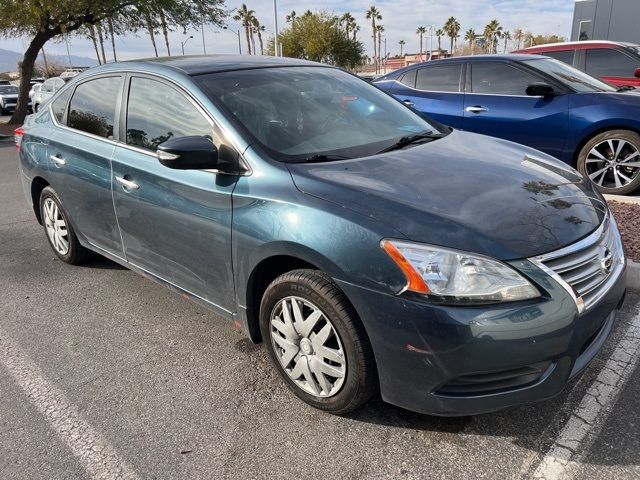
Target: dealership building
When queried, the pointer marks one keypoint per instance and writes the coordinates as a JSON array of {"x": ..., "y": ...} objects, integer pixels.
[{"x": 615, "y": 20}]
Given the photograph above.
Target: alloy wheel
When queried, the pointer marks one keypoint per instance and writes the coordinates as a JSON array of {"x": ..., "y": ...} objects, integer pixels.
[
  {"x": 308, "y": 347},
  {"x": 613, "y": 163},
  {"x": 56, "y": 226}
]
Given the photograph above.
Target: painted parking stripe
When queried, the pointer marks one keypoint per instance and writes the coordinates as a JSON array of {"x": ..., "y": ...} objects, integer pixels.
[
  {"x": 587, "y": 420},
  {"x": 96, "y": 456}
]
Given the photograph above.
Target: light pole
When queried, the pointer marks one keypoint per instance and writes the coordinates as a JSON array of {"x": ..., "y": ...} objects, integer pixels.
[
  {"x": 184, "y": 43},
  {"x": 238, "y": 35},
  {"x": 275, "y": 29},
  {"x": 432, "y": 29},
  {"x": 204, "y": 49}
]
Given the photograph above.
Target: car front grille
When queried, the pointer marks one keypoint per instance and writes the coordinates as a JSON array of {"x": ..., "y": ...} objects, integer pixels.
[{"x": 588, "y": 268}]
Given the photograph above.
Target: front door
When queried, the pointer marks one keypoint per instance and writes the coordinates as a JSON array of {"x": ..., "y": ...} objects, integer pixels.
[
  {"x": 175, "y": 224},
  {"x": 497, "y": 105}
]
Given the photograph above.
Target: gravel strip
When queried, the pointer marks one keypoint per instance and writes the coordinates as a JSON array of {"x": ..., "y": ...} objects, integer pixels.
[{"x": 628, "y": 218}]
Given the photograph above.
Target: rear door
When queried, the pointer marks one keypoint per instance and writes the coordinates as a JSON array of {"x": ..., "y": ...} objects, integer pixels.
[
  {"x": 496, "y": 104},
  {"x": 80, "y": 158},
  {"x": 175, "y": 224},
  {"x": 434, "y": 90}
]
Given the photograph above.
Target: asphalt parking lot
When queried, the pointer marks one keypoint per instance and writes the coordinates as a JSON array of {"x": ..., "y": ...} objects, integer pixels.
[{"x": 104, "y": 374}]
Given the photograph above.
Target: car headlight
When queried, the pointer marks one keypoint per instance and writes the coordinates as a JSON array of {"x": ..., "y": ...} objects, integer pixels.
[{"x": 452, "y": 276}]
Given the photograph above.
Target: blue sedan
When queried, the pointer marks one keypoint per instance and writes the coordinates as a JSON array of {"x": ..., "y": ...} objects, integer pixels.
[{"x": 535, "y": 101}]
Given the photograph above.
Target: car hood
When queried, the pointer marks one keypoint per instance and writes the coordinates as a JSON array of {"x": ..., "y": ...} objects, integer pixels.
[{"x": 465, "y": 191}]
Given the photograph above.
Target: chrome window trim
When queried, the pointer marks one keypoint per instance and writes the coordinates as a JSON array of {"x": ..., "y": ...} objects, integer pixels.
[{"x": 589, "y": 241}]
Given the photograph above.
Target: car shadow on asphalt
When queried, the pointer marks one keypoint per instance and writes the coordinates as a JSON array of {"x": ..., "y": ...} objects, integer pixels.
[{"x": 103, "y": 263}]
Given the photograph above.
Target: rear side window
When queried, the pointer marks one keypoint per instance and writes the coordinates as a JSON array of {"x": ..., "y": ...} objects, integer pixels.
[
  {"x": 565, "y": 56},
  {"x": 59, "y": 105},
  {"x": 409, "y": 79},
  {"x": 441, "y": 78},
  {"x": 93, "y": 106},
  {"x": 158, "y": 112},
  {"x": 606, "y": 62},
  {"x": 499, "y": 79}
]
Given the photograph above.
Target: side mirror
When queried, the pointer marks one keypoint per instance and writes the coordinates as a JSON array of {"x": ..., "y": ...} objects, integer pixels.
[
  {"x": 188, "y": 153},
  {"x": 540, "y": 90},
  {"x": 637, "y": 73}
]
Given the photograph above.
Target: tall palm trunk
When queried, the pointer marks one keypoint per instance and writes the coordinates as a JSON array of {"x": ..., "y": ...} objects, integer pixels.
[
  {"x": 261, "y": 44},
  {"x": 380, "y": 52},
  {"x": 246, "y": 32},
  {"x": 253, "y": 42},
  {"x": 451, "y": 47},
  {"x": 92, "y": 35},
  {"x": 113, "y": 41},
  {"x": 375, "y": 55},
  {"x": 149, "y": 22},
  {"x": 165, "y": 30},
  {"x": 101, "y": 42}
]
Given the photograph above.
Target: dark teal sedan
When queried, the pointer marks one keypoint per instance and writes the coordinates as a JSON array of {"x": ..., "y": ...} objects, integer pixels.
[{"x": 372, "y": 250}]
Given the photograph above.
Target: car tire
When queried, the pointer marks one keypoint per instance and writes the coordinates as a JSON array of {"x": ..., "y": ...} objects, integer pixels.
[
  {"x": 602, "y": 159},
  {"x": 345, "y": 349},
  {"x": 58, "y": 230}
]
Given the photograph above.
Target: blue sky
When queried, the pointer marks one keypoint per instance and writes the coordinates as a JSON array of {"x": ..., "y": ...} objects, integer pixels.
[{"x": 400, "y": 19}]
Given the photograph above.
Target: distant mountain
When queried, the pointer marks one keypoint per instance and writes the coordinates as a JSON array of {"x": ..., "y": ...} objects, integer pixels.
[{"x": 9, "y": 60}]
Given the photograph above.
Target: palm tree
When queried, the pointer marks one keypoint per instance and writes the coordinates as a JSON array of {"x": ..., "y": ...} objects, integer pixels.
[
  {"x": 379, "y": 32},
  {"x": 518, "y": 34},
  {"x": 165, "y": 30},
  {"x": 402, "y": 44},
  {"x": 439, "y": 34},
  {"x": 92, "y": 36},
  {"x": 492, "y": 32},
  {"x": 421, "y": 31},
  {"x": 451, "y": 28},
  {"x": 113, "y": 40},
  {"x": 291, "y": 18},
  {"x": 348, "y": 22},
  {"x": 470, "y": 36},
  {"x": 245, "y": 16},
  {"x": 374, "y": 14},
  {"x": 259, "y": 29},
  {"x": 356, "y": 29},
  {"x": 506, "y": 36},
  {"x": 101, "y": 43}
]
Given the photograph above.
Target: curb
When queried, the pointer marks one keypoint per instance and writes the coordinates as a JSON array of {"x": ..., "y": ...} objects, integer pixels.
[
  {"x": 623, "y": 199},
  {"x": 633, "y": 275}
]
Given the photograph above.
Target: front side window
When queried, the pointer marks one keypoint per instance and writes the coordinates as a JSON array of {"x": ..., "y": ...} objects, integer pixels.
[
  {"x": 569, "y": 76},
  {"x": 295, "y": 113},
  {"x": 441, "y": 78},
  {"x": 59, "y": 105},
  {"x": 47, "y": 86},
  {"x": 93, "y": 106},
  {"x": 606, "y": 62},
  {"x": 493, "y": 78},
  {"x": 157, "y": 112}
]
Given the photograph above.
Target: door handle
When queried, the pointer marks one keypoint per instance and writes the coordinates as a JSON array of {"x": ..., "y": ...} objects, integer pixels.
[
  {"x": 476, "y": 109},
  {"x": 58, "y": 161},
  {"x": 128, "y": 184},
  {"x": 408, "y": 103}
]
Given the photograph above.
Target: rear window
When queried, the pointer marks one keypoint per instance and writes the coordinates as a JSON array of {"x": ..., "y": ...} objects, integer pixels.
[{"x": 440, "y": 78}]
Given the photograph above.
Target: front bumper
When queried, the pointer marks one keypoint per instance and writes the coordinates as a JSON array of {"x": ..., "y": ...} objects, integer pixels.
[{"x": 450, "y": 361}]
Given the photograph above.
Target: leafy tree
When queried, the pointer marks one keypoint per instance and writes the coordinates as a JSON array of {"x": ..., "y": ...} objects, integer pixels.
[
  {"x": 492, "y": 33},
  {"x": 44, "y": 20},
  {"x": 470, "y": 36},
  {"x": 318, "y": 37}
]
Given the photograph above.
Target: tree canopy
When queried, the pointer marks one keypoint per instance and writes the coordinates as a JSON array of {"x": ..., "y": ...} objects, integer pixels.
[{"x": 318, "y": 37}]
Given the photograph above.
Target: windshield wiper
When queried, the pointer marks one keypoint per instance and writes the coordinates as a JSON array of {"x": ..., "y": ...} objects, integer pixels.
[
  {"x": 322, "y": 157},
  {"x": 410, "y": 139},
  {"x": 626, "y": 88}
]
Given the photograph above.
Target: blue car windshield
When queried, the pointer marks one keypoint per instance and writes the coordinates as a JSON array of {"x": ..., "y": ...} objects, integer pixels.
[
  {"x": 295, "y": 113},
  {"x": 569, "y": 76}
]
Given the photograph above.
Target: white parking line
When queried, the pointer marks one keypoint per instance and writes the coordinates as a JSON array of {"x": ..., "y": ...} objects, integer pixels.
[
  {"x": 587, "y": 420},
  {"x": 96, "y": 455}
]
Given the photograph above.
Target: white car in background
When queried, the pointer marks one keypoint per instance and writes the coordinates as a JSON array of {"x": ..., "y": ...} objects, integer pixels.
[
  {"x": 34, "y": 89},
  {"x": 48, "y": 88},
  {"x": 8, "y": 98}
]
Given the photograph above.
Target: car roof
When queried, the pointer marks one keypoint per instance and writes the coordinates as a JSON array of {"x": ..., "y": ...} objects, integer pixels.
[
  {"x": 202, "y": 64},
  {"x": 511, "y": 57},
  {"x": 569, "y": 45}
]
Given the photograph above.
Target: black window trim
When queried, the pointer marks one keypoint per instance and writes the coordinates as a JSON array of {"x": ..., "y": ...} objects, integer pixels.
[{"x": 74, "y": 87}]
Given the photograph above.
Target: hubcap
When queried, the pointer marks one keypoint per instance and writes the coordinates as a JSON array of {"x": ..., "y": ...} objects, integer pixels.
[
  {"x": 613, "y": 163},
  {"x": 308, "y": 347},
  {"x": 56, "y": 227}
]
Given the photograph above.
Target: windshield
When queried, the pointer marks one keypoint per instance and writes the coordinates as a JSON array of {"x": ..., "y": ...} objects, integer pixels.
[
  {"x": 8, "y": 89},
  {"x": 569, "y": 76},
  {"x": 296, "y": 113},
  {"x": 635, "y": 49}
]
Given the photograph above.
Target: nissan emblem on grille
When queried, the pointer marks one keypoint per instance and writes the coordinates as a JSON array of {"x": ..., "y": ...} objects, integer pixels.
[{"x": 606, "y": 259}]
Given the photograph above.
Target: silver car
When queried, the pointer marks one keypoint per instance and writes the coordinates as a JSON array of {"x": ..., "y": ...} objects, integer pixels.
[
  {"x": 34, "y": 89},
  {"x": 49, "y": 87},
  {"x": 8, "y": 98}
]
